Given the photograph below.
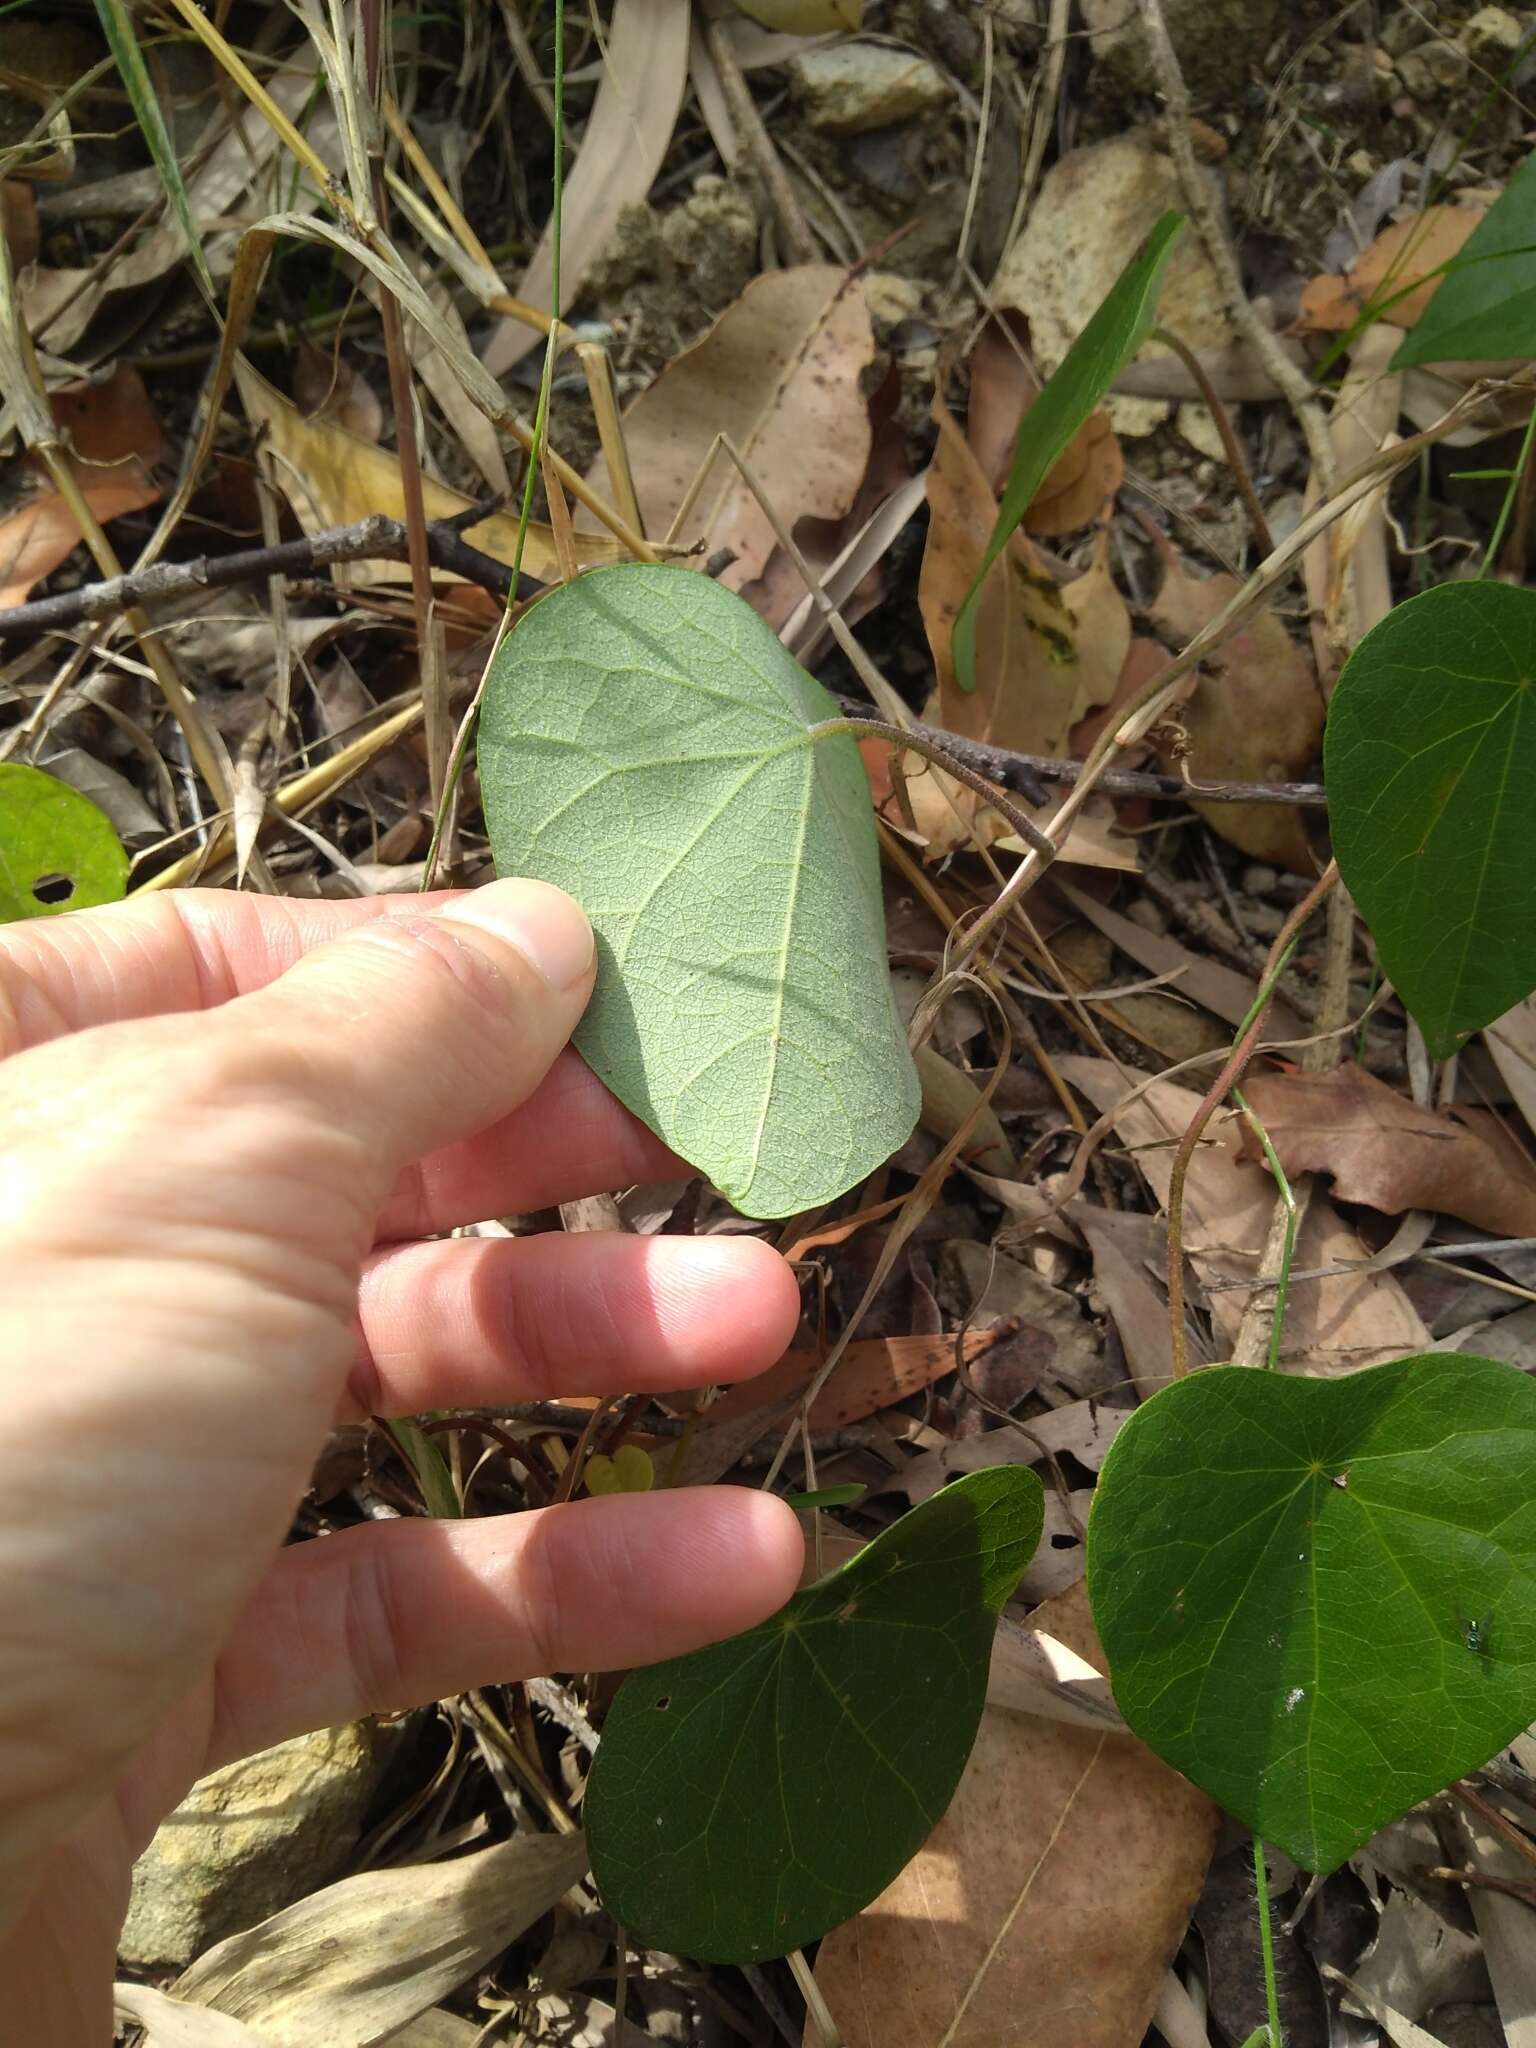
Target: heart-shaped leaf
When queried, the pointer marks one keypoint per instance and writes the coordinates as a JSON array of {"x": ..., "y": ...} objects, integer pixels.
[
  {"x": 1430, "y": 757},
  {"x": 57, "y": 851},
  {"x": 1318, "y": 1597},
  {"x": 752, "y": 1795},
  {"x": 1119, "y": 327},
  {"x": 1485, "y": 308},
  {"x": 648, "y": 743}
]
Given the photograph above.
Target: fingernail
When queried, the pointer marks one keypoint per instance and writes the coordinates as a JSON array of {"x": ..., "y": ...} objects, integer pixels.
[{"x": 548, "y": 928}]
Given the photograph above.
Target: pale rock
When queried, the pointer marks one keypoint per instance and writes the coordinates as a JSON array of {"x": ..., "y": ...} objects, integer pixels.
[
  {"x": 1094, "y": 210},
  {"x": 1218, "y": 43},
  {"x": 851, "y": 88},
  {"x": 1492, "y": 35},
  {"x": 250, "y": 1839},
  {"x": 1434, "y": 68},
  {"x": 892, "y": 298}
]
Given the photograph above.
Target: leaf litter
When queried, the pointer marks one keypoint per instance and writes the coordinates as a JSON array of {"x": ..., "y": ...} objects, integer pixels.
[{"x": 876, "y": 408}]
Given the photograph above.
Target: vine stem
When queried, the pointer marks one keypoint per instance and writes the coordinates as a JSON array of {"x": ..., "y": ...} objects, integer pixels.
[
  {"x": 1267, "y": 1945},
  {"x": 1232, "y": 1071},
  {"x": 900, "y": 737},
  {"x": 1292, "y": 1212}
]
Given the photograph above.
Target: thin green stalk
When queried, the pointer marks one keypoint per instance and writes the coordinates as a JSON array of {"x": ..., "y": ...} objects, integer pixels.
[
  {"x": 432, "y": 1475},
  {"x": 1510, "y": 495},
  {"x": 1267, "y": 1946},
  {"x": 1283, "y": 1284},
  {"x": 535, "y": 456}
]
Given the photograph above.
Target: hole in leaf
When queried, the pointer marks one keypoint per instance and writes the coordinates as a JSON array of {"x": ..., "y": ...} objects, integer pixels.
[
  {"x": 53, "y": 888},
  {"x": 663, "y": 1703}
]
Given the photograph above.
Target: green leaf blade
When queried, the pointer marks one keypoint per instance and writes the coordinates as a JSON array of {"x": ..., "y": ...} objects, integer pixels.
[
  {"x": 1297, "y": 1647},
  {"x": 645, "y": 743},
  {"x": 749, "y": 1797},
  {"x": 1078, "y": 383},
  {"x": 1430, "y": 758},
  {"x": 58, "y": 852},
  {"x": 1485, "y": 308}
]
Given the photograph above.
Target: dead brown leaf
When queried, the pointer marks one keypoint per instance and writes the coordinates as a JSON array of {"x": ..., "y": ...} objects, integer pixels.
[
  {"x": 1386, "y": 1152},
  {"x": 327, "y": 386},
  {"x": 1403, "y": 254},
  {"x": 18, "y": 222},
  {"x": 1511, "y": 1039},
  {"x": 113, "y": 437},
  {"x": 1044, "y": 1907},
  {"x": 1332, "y": 1325},
  {"x": 779, "y": 373},
  {"x": 1255, "y": 714},
  {"x": 1044, "y": 653},
  {"x": 1090, "y": 469},
  {"x": 872, "y": 1373}
]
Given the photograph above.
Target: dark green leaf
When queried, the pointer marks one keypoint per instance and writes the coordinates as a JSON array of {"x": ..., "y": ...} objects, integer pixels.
[
  {"x": 1485, "y": 308},
  {"x": 646, "y": 742},
  {"x": 749, "y": 1797},
  {"x": 1431, "y": 764},
  {"x": 1283, "y": 1572},
  {"x": 57, "y": 851},
  {"x": 1119, "y": 327}
]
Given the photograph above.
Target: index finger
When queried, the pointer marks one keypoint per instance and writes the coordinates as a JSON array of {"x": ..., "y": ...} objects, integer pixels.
[{"x": 157, "y": 955}]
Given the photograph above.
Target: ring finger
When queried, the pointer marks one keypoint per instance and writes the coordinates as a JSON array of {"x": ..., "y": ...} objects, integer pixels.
[{"x": 475, "y": 1322}]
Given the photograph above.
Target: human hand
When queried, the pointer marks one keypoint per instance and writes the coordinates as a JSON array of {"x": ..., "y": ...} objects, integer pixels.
[{"x": 230, "y": 1122}]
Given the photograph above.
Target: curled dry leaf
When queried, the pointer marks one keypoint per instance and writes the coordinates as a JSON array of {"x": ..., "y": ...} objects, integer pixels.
[
  {"x": 1044, "y": 654},
  {"x": 1332, "y": 1325},
  {"x": 1003, "y": 386},
  {"x": 331, "y": 478},
  {"x": 1045, "y": 1905},
  {"x": 1255, "y": 715},
  {"x": 1409, "y": 253},
  {"x": 779, "y": 373},
  {"x": 113, "y": 438},
  {"x": 18, "y": 222},
  {"x": 1386, "y": 1152},
  {"x": 872, "y": 1373},
  {"x": 326, "y": 386}
]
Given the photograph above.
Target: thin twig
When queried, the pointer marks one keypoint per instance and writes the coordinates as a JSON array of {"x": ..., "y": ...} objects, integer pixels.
[
  {"x": 1236, "y": 461},
  {"x": 1236, "y": 1064},
  {"x": 1293, "y": 384},
  {"x": 796, "y": 245},
  {"x": 375, "y": 539}
]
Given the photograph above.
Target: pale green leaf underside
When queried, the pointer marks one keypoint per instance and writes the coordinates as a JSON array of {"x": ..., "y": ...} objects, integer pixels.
[
  {"x": 1430, "y": 757},
  {"x": 753, "y": 1795},
  {"x": 1318, "y": 1597},
  {"x": 644, "y": 743},
  {"x": 51, "y": 835}
]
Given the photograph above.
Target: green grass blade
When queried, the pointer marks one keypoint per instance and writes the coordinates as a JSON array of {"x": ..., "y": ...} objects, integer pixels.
[
  {"x": 129, "y": 58},
  {"x": 1090, "y": 366}
]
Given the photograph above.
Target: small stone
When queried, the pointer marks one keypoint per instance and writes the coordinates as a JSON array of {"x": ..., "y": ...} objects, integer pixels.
[
  {"x": 1492, "y": 35},
  {"x": 854, "y": 87},
  {"x": 1259, "y": 881},
  {"x": 1433, "y": 68},
  {"x": 1095, "y": 204},
  {"x": 892, "y": 298},
  {"x": 1148, "y": 913},
  {"x": 250, "y": 1839}
]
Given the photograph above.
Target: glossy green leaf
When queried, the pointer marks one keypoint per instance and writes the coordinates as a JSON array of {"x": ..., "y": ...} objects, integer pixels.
[
  {"x": 1078, "y": 383},
  {"x": 1318, "y": 1597},
  {"x": 1430, "y": 757},
  {"x": 57, "y": 851},
  {"x": 646, "y": 742},
  {"x": 752, "y": 1795},
  {"x": 1485, "y": 308}
]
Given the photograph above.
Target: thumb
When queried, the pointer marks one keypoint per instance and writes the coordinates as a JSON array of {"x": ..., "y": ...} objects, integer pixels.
[{"x": 414, "y": 1032}]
